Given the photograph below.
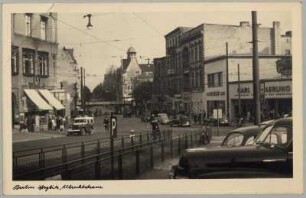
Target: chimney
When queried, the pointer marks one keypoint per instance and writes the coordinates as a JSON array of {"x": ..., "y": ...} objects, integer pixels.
[
  {"x": 244, "y": 24},
  {"x": 276, "y": 38}
]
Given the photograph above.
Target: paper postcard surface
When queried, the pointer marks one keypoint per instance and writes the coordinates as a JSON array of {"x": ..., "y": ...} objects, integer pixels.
[{"x": 152, "y": 98}]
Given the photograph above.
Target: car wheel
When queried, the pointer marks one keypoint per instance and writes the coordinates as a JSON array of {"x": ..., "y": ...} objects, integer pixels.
[{"x": 83, "y": 131}]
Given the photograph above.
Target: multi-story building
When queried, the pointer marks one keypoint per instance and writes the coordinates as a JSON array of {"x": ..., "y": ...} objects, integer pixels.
[
  {"x": 33, "y": 63},
  {"x": 192, "y": 47},
  {"x": 67, "y": 80}
]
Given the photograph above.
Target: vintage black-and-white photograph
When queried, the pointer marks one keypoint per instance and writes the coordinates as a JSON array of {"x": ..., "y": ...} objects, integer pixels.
[{"x": 151, "y": 95}]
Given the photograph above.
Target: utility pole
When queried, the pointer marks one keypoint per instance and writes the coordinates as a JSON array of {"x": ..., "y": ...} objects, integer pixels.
[
  {"x": 227, "y": 85},
  {"x": 256, "y": 84},
  {"x": 81, "y": 89},
  {"x": 83, "y": 101},
  {"x": 239, "y": 90}
]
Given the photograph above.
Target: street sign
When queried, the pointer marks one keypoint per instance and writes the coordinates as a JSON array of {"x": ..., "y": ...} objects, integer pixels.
[{"x": 113, "y": 127}]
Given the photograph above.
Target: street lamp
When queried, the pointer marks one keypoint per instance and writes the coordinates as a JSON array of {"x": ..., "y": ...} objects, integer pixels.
[{"x": 89, "y": 25}]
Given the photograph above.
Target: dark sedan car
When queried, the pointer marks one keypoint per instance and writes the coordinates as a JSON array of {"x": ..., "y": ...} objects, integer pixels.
[
  {"x": 270, "y": 157},
  {"x": 242, "y": 136},
  {"x": 180, "y": 121}
]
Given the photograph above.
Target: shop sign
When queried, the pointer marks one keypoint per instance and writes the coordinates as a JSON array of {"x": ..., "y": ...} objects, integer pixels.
[
  {"x": 267, "y": 90},
  {"x": 215, "y": 93}
]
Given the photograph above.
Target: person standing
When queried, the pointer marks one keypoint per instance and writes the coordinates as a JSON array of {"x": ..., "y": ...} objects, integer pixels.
[{"x": 200, "y": 117}]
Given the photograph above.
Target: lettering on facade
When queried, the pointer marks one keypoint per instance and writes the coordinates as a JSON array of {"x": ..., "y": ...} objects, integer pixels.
[
  {"x": 278, "y": 89},
  {"x": 243, "y": 90},
  {"x": 272, "y": 90},
  {"x": 215, "y": 93}
]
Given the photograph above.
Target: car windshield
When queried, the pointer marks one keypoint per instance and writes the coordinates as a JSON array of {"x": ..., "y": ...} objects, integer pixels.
[
  {"x": 262, "y": 136},
  {"x": 234, "y": 139},
  {"x": 79, "y": 121}
]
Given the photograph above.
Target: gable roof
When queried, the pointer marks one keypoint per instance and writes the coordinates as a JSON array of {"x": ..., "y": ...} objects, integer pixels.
[{"x": 146, "y": 67}]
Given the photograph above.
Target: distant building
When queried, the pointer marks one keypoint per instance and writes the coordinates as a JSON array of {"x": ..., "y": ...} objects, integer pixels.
[
  {"x": 133, "y": 73},
  {"x": 34, "y": 51}
]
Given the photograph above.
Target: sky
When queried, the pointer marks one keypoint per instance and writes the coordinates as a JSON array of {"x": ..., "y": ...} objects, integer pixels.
[{"x": 114, "y": 32}]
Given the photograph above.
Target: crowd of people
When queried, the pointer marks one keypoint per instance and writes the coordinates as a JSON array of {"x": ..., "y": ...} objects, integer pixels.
[
  {"x": 57, "y": 123},
  {"x": 199, "y": 117}
]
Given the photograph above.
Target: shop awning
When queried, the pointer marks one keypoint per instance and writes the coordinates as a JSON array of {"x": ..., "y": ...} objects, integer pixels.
[
  {"x": 51, "y": 99},
  {"x": 37, "y": 99}
]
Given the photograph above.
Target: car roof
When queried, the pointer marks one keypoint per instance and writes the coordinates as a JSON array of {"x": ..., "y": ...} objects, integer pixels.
[
  {"x": 247, "y": 131},
  {"x": 284, "y": 121}
]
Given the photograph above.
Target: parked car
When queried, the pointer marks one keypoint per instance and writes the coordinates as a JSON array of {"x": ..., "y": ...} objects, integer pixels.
[
  {"x": 81, "y": 126},
  {"x": 243, "y": 136},
  {"x": 163, "y": 118},
  {"x": 213, "y": 121},
  {"x": 270, "y": 157},
  {"x": 180, "y": 121}
]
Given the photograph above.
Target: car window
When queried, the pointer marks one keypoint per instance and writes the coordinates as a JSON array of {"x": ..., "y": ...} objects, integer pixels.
[
  {"x": 234, "y": 139},
  {"x": 250, "y": 141},
  {"x": 278, "y": 135}
]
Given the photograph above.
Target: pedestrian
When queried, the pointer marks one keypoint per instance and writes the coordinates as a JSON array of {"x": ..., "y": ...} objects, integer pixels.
[
  {"x": 200, "y": 117},
  {"x": 23, "y": 125},
  {"x": 53, "y": 123},
  {"x": 61, "y": 124},
  {"x": 195, "y": 118},
  {"x": 155, "y": 127},
  {"x": 106, "y": 123},
  {"x": 248, "y": 116}
]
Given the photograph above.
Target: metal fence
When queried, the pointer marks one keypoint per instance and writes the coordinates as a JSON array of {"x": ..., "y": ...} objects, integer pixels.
[{"x": 126, "y": 160}]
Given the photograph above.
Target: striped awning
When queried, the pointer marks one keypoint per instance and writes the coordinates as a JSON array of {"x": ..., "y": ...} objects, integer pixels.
[
  {"x": 51, "y": 99},
  {"x": 37, "y": 99}
]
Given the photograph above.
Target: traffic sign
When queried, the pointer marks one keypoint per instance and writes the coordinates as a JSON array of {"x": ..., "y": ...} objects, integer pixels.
[{"x": 113, "y": 127}]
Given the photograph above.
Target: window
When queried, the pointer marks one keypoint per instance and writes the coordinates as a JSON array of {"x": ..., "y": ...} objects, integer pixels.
[
  {"x": 43, "y": 64},
  {"x": 14, "y": 60},
  {"x": 287, "y": 52},
  {"x": 233, "y": 140},
  {"x": 215, "y": 79},
  {"x": 250, "y": 141},
  {"x": 28, "y": 62},
  {"x": 28, "y": 21},
  {"x": 43, "y": 24}
]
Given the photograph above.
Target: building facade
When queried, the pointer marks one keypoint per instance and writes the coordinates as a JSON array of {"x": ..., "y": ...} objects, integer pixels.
[
  {"x": 193, "y": 48},
  {"x": 34, "y": 51},
  {"x": 67, "y": 80},
  {"x": 133, "y": 73},
  {"x": 224, "y": 90}
]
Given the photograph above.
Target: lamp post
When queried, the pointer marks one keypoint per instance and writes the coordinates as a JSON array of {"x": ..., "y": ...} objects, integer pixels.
[{"x": 89, "y": 25}]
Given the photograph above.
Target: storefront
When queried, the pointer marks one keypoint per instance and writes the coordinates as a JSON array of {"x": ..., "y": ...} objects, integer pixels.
[
  {"x": 216, "y": 100},
  {"x": 276, "y": 99},
  {"x": 36, "y": 111}
]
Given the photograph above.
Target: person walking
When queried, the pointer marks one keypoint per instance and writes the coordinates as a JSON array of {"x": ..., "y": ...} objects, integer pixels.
[
  {"x": 200, "y": 117},
  {"x": 106, "y": 123},
  {"x": 155, "y": 127}
]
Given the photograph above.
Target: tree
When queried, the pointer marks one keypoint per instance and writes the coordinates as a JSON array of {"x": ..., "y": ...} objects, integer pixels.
[
  {"x": 143, "y": 92},
  {"x": 108, "y": 90},
  {"x": 87, "y": 94}
]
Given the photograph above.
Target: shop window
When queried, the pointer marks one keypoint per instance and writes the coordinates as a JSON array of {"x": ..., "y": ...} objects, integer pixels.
[
  {"x": 215, "y": 79},
  {"x": 28, "y": 62},
  {"x": 28, "y": 24},
  {"x": 43, "y": 64},
  {"x": 14, "y": 60}
]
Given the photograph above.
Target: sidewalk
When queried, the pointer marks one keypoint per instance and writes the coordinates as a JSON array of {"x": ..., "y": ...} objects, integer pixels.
[
  {"x": 162, "y": 169},
  {"x": 24, "y": 137}
]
